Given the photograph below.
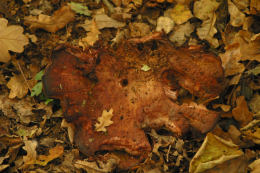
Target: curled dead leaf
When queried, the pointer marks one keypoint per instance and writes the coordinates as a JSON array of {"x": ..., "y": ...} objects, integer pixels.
[{"x": 58, "y": 20}]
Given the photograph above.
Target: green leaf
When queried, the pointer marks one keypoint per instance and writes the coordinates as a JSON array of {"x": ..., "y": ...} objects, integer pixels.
[
  {"x": 37, "y": 89},
  {"x": 47, "y": 101},
  {"x": 39, "y": 75},
  {"x": 80, "y": 9},
  {"x": 145, "y": 68}
]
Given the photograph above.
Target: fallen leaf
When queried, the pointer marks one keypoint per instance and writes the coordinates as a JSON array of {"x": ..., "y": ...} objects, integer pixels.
[
  {"x": 37, "y": 89},
  {"x": 252, "y": 132},
  {"x": 70, "y": 127},
  {"x": 11, "y": 38},
  {"x": 255, "y": 71},
  {"x": 254, "y": 103},
  {"x": 91, "y": 37},
  {"x": 104, "y": 121},
  {"x": 145, "y": 67},
  {"x": 18, "y": 87},
  {"x": 254, "y": 7},
  {"x": 205, "y": 9},
  {"x": 181, "y": 13},
  {"x": 93, "y": 167},
  {"x": 54, "y": 153},
  {"x": 181, "y": 33},
  {"x": 230, "y": 60},
  {"x": 241, "y": 112},
  {"x": 237, "y": 18},
  {"x": 208, "y": 30},
  {"x": 102, "y": 21},
  {"x": 255, "y": 166},
  {"x": 58, "y": 20},
  {"x": 79, "y": 8},
  {"x": 30, "y": 148},
  {"x": 139, "y": 29},
  {"x": 164, "y": 24},
  {"x": 217, "y": 155}
]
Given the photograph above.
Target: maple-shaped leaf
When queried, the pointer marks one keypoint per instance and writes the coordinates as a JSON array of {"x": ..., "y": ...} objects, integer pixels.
[
  {"x": 11, "y": 38},
  {"x": 104, "y": 120},
  {"x": 17, "y": 86}
]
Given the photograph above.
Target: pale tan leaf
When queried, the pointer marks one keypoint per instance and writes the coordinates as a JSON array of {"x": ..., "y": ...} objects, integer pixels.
[
  {"x": 164, "y": 24},
  {"x": 255, "y": 166},
  {"x": 17, "y": 86},
  {"x": 91, "y": 37},
  {"x": 104, "y": 120},
  {"x": 205, "y": 9},
  {"x": 237, "y": 18},
  {"x": 217, "y": 155},
  {"x": 11, "y": 38},
  {"x": 181, "y": 14},
  {"x": 208, "y": 30},
  {"x": 181, "y": 33},
  {"x": 58, "y": 20},
  {"x": 30, "y": 148}
]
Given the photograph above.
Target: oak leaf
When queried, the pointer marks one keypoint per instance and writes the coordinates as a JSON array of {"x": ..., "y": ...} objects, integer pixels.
[
  {"x": 11, "y": 38},
  {"x": 104, "y": 120},
  {"x": 17, "y": 86},
  {"x": 91, "y": 37},
  {"x": 53, "y": 23}
]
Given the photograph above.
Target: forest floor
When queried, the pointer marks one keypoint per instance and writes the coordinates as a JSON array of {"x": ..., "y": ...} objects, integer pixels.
[{"x": 34, "y": 136}]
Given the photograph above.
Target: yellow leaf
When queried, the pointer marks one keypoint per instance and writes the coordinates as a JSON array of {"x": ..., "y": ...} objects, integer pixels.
[
  {"x": 216, "y": 151},
  {"x": 104, "y": 120},
  {"x": 53, "y": 23},
  {"x": 17, "y": 86},
  {"x": 11, "y": 38},
  {"x": 237, "y": 18},
  {"x": 181, "y": 14},
  {"x": 53, "y": 154}
]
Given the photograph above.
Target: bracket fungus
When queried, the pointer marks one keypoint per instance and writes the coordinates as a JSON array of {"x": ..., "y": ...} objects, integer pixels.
[{"x": 107, "y": 88}]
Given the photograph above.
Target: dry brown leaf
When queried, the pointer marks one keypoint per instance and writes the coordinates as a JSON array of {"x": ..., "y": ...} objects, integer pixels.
[
  {"x": 208, "y": 30},
  {"x": 102, "y": 21},
  {"x": 205, "y": 9},
  {"x": 139, "y": 29},
  {"x": 181, "y": 14},
  {"x": 54, "y": 153},
  {"x": 18, "y": 87},
  {"x": 255, "y": 166},
  {"x": 230, "y": 60},
  {"x": 91, "y": 37},
  {"x": 104, "y": 120},
  {"x": 58, "y": 20},
  {"x": 237, "y": 18},
  {"x": 181, "y": 33},
  {"x": 254, "y": 7},
  {"x": 254, "y": 103},
  {"x": 241, "y": 112},
  {"x": 164, "y": 24},
  {"x": 11, "y": 38},
  {"x": 30, "y": 148},
  {"x": 70, "y": 128}
]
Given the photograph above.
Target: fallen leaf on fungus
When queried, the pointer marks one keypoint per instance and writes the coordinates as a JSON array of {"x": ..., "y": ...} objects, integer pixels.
[
  {"x": 218, "y": 155},
  {"x": 18, "y": 87},
  {"x": 11, "y": 38},
  {"x": 104, "y": 120},
  {"x": 58, "y": 20}
]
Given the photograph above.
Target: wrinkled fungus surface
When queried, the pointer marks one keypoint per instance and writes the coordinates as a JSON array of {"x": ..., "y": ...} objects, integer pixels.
[{"x": 95, "y": 80}]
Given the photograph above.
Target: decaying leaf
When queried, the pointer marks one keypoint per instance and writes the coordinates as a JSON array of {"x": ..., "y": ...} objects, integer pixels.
[
  {"x": 58, "y": 20},
  {"x": 164, "y": 24},
  {"x": 139, "y": 29},
  {"x": 254, "y": 103},
  {"x": 104, "y": 120},
  {"x": 30, "y": 148},
  {"x": 241, "y": 112},
  {"x": 255, "y": 166},
  {"x": 70, "y": 128},
  {"x": 11, "y": 39},
  {"x": 79, "y": 8},
  {"x": 18, "y": 87},
  {"x": 102, "y": 21},
  {"x": 91, "y": 37},
  {"x": 181, "y": 14},
  {"x": 208, "y": 30},
  {"x": 218, "y": 155},
  {"x": 54, "y": 153},
  {"x": 237, "y": 18},
  {"x": 181, "y": 33},
  {"x": 101, "y": 167}
]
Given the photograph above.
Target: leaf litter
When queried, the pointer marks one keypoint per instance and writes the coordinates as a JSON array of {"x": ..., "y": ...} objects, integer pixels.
[{"x": 25, "y": 118}]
